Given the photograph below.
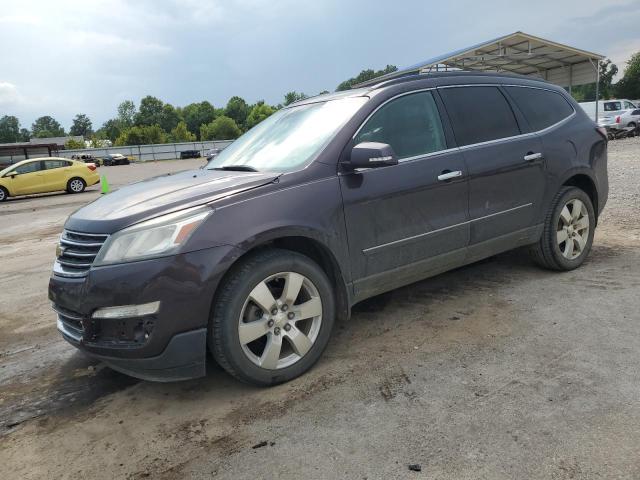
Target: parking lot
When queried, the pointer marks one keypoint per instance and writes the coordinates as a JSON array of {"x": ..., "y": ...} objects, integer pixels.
[{"x": 495, "y": 370}]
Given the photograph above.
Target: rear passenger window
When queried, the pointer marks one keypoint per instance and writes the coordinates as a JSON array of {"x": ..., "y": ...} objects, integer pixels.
[
  {"x": 542, "y": 108},
  {"x": 410, "y": 124},
  {"x": 612, "y": 106},
  {"x": 479, "y": 114},
  {"x": 51, "y": 164}
]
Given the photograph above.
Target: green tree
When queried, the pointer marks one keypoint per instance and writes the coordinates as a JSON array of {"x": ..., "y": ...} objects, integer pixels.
[
  {"x": 126, "y": 113},
  {"x": 238, "y": 109},
  {"x": 170, "y": 117},
  {"x": 196, "y": 114},
  {"x": 629, "y": 84},
  {"x": 25, "y": 135},
  {"x": 292, "y": 97},
  {"x": 110, "y": 130},
  {"x": 46, "y": 127},
  {"x": 150, "y": 111},
  {"x": 81, "y": 125},
  {"x": 181, "y": 133},
  {"x": 365, "y": 75},
  {"x": 142, "y": 135},
  {"x": 258, "y": 113},
  {"x": 72, "y": 144},
  {"x": 9, "y": 129},
  {"x": 587, "y": 92},
  {"x": 222, "y": 128}
]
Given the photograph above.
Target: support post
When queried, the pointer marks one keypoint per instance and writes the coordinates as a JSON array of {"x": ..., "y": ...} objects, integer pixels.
[
  {"x": 597, "y": 87},
  {"x": 570, "y": 78}
]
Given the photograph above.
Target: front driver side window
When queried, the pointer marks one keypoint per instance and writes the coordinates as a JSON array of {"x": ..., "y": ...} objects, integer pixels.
[
  {"x": 410, "y": 124},
  {"x": 27, "y": 168}
]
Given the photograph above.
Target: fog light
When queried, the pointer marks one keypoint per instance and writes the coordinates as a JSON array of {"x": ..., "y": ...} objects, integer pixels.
[{"x": 127, "y": 311}]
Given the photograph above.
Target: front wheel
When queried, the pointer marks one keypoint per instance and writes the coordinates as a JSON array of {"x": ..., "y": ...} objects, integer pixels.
[
  {"x": 272, "y": 317},
  {"x": 76, "y": 185},
  {"x": 3, "y": 194},
  {"x": 568, "y": 231}
]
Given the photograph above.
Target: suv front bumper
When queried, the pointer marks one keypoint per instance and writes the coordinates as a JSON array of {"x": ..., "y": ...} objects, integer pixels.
[{"x": 164, "y": 346}]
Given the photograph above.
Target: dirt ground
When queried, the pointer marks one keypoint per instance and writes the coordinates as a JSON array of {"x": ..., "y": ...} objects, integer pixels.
[{"x": 497, "y": 370}]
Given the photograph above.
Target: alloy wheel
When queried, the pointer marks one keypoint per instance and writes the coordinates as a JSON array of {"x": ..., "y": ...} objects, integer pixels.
[
  {"x": 573, "y": 229},
  {"x": 2, "y": 195},
  {"x": 280, "y": 320},
  {"x": 76, "y": 185}
]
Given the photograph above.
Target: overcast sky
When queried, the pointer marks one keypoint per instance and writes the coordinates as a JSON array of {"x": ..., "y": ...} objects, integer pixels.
[{"x": 62, "y": 57}]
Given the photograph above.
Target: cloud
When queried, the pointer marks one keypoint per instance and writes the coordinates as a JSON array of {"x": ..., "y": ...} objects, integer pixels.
[
  {"x": 114, "y": 44},
  {"x": 9, "y": 95},
  {"x": 65, "y": 57},
  {"x": 21, "y": 20}
]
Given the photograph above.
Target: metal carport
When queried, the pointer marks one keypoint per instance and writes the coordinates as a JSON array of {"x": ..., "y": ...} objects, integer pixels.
[{"x": 520, "y": 53}]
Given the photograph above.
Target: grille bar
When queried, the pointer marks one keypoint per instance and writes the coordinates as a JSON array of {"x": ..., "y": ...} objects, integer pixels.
[
  {"x": 69, "y": 323},
  {"x": 76, "y": 253}
]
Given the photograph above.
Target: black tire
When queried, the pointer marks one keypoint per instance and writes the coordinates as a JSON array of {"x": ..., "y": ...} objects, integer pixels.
[
  {"x": 4, "y": 194},
  {"x": 223, "y": 337},
  {"x": 76, "y": 185},
  {"x": 547, "y": 252}
]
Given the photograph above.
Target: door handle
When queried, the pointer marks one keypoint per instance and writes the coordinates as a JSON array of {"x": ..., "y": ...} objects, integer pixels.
[
  {"x": 530, "y": 157},
  {"x": 448, "y": 175}
]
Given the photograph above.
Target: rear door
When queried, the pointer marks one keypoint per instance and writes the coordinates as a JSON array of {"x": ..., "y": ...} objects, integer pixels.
[
  {"x": 56, "y": 174},
  {"x": 506, "y": 167},
  {"x": 405, "y": 221}
]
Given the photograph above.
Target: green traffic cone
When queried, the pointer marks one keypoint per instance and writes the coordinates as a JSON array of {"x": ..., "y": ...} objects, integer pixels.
[{"x": 104, "y": 185}]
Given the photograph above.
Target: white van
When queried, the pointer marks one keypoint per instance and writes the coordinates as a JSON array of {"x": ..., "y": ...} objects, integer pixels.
[{"x": 611, "y": 109}]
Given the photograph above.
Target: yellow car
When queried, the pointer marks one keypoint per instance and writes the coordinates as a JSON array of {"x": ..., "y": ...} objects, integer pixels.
[{"x": 42, "y": 175}]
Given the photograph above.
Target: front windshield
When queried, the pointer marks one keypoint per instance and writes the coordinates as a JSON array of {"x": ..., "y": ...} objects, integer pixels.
[{"x": 290, "y": 138}]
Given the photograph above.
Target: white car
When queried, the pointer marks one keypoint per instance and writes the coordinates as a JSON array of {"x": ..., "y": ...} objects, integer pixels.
[{"x": 612, "y": 113}]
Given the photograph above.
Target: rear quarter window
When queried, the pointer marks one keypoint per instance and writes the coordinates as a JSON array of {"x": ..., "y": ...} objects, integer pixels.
[
  {"x": 479, "y": 114},
  {"x": 542, "y": 108}
]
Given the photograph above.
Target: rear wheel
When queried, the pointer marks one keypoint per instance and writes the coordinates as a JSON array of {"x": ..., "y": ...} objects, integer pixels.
[
  {"x": 272, "y": 317},
  {"x": 568, "y": 231},
  {"x": 3, "y": 194},
  {"x": 76, "y": 185}
]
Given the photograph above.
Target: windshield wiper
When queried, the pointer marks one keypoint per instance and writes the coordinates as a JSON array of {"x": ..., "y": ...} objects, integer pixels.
[{"x": 237, "y": 168}]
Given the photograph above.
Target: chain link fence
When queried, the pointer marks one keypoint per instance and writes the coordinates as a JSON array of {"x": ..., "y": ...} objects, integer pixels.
[{"x": 146, "y": 153}]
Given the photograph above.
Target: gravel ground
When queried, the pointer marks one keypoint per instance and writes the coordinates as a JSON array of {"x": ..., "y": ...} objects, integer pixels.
[{"x": 496, "y": 370}]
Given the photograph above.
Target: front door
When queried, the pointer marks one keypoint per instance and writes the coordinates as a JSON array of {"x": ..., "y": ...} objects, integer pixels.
[
  {"x": 408, "y": 220},
  {"x": 506, "y": 167},
  {"x": 28, "y": 179}
]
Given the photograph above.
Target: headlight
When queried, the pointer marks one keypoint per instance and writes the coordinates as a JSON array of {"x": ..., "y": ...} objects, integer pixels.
[{"x": 157, "y": 237}]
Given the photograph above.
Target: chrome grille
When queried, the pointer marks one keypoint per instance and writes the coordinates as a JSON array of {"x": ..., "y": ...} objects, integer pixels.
[
  {"x": 69, "y": 323},
  {"x": 76, "y": 253}
]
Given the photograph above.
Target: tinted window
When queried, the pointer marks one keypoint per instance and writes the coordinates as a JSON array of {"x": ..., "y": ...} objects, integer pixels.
[
  {"x": 629, "y": 105},
  {"x": 479, "y": 114},
  {"x": 28, "y": 167},
  {"x": 410, "y": 124},
  {"x": 51, "y": 164},
  {"x": 612, "y": 106},
  {"x": 542, "y": 108}
]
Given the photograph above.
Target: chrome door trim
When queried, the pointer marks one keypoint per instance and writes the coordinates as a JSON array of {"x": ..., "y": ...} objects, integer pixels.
[{"x": 369, "y": 250}]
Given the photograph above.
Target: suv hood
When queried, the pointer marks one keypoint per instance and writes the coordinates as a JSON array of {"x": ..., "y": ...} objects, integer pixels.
[{"x": 156, "y": 196}]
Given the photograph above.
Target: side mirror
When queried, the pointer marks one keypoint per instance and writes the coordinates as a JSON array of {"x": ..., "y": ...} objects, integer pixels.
[
  {"x": 11, "y": 174},
  {"x": 372, "y": 155}
]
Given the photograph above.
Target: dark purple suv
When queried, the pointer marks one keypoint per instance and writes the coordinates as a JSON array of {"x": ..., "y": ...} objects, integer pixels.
[{"x": 327, "y": 202}]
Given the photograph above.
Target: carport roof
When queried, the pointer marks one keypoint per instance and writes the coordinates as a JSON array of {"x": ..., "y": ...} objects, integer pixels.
[{"x": 517, "y": 52}]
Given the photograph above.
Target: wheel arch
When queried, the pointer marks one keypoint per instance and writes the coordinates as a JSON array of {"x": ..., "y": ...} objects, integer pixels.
[
  {"x": 309, "y": 246},
  {"x": 585, "y": 183}
]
